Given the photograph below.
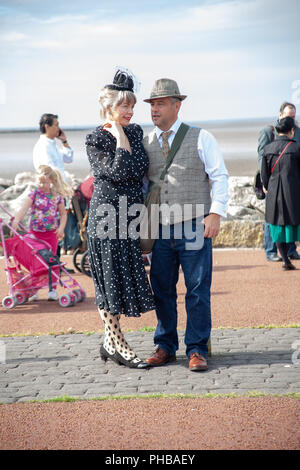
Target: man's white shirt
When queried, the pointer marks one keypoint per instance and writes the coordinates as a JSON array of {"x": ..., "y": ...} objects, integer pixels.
[{"x": 46, "y": 152}]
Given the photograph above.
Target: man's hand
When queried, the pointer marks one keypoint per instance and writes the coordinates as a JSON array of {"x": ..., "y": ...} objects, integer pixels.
[
  {"x": 63, "y": 138},
  {"x": 212, "y": 225}
]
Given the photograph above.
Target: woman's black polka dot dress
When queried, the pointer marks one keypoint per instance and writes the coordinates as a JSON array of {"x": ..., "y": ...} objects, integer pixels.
[{"x": 117, "y": 268}]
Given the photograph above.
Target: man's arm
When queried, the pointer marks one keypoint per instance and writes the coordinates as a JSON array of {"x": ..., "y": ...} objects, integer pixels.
[
  {"x": 265, "y": 137},
  {"x": 211, "y": 155},
  {"x": 67, "y": 152}
]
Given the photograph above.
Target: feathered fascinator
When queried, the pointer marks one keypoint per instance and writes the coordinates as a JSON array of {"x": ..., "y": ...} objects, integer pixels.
[{"x": 124, "y": 80}]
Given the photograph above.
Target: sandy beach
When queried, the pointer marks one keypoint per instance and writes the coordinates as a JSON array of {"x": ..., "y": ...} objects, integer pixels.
[{"x": 237, "y": 140}]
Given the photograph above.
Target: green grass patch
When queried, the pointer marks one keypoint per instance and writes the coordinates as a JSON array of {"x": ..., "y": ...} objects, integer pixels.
[
  {"x": 251, "y": 394},
  {"x": 145, "y": 329}
]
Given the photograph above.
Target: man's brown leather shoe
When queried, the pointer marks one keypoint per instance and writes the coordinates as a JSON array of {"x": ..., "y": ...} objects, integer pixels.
[
  {"x": 159, "y": 358},
  {"x": 197, "y": 362}
]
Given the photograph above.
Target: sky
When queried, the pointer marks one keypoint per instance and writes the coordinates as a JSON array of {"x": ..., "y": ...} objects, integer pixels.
[{"x": 232, "y": 58}]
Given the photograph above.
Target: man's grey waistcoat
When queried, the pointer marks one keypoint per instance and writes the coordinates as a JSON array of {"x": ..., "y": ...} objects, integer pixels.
[{"x": 185, "y": 181}]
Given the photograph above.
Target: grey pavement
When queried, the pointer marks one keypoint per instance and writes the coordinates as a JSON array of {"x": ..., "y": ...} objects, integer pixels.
[{"x": 242, "y": 360}]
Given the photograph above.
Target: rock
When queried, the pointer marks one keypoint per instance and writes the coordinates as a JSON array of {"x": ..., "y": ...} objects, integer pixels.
[
  {"x": 243, "y": 226},
  {"x": 240, "y": 234},
  {"x": 24, "y": 178},
  {"x": 14, "y": 205},
  {"x": 5, "y": 183},
  {"x": 12, "y": 198},
  {"x": 243, "y": 204},
  {"x": 12, "y": 193}
]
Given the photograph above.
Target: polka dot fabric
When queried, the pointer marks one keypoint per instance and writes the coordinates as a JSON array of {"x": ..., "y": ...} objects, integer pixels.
[{"x": 117, "y": 268}]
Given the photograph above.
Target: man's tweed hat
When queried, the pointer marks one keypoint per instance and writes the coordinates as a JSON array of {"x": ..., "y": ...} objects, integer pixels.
[{"x": 164, "y": 88}]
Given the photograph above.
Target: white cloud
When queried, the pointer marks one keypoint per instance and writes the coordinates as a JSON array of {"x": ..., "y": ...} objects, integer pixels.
[
  {"x": 63, "y": 19},
  {"x": 13, "y": 36},
  {"x": 46, "y": 44}
]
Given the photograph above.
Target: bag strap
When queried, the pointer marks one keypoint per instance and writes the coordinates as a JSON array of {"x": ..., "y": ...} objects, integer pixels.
[
  {"x": 180, "y": 134},
  {"x": 287, "y": 145}
]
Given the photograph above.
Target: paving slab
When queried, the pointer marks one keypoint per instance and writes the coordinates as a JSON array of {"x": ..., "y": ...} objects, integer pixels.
[{"x": 243, "y": 360}]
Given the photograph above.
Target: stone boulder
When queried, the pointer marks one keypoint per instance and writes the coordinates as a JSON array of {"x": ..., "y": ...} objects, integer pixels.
[
  {"x": 244, "y": 225},
  {"x": 240, "y": 234}
]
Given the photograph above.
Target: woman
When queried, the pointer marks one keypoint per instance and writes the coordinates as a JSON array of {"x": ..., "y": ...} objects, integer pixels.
[
  {"x": 281, "y": 178},
  {"x": 118, "y": 161}
]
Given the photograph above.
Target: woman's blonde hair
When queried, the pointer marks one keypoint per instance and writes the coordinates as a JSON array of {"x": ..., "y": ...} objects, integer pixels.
[
  {"x": 108, "y": 99},
  {"x": 58, "y": 184}
]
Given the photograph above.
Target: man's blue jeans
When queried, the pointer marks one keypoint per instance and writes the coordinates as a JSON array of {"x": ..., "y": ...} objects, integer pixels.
[
  {"x": 167, "y": 256},
  {"x": 270, "y": 246}
]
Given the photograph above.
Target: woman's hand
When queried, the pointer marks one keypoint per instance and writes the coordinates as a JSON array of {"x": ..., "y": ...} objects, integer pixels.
[
  {"x": 114, "y": 128},
  {"x": 117, "y": 131}
]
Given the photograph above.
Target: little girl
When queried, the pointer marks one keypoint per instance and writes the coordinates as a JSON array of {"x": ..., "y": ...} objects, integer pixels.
[{"x": 48, "y": 216}]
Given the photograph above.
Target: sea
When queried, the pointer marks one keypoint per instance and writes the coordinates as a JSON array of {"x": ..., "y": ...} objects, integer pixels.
[{"x": 237, "y": 140}]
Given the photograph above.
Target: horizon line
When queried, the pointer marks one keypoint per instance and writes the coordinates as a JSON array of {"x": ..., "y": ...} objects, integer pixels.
[{"x": 91, "y": 126}]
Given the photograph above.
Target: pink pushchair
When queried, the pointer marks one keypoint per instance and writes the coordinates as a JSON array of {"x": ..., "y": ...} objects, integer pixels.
[{"x": 30, "y": 265}]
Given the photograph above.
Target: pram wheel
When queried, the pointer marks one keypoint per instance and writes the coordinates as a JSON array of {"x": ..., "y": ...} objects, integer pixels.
[
  {"x": 83, "y": 295},
  {"x": 9, "y": 302},
  {"x": 20, "y": 298},
  {"x": 85, "y": 264},
  {"x": 65, "y": 300},
  {"x": 78, "y": 295}
]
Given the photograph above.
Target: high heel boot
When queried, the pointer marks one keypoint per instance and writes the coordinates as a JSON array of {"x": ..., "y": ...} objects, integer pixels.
[{"x": 115, "y": 346}]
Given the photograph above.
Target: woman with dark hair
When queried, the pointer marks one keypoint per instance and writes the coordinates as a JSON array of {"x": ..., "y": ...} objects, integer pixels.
[
  {"x": 281, "y": 178},
  {"x": 118, "y": 161}
]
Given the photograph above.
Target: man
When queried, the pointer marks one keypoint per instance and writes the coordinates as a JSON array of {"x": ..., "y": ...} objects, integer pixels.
[
  {"x": 197, "y": 164},
  {"x": 46, "y": 151},
  {"x": 266, "y": 136}
]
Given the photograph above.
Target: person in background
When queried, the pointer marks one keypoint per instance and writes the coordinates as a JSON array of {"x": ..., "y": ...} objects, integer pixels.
[
  {"x": 48, "y": 215},
  {"x": 197, "y": 164},
  {"x": 266, "y": 136},
  {"x": 280, "y": 172},
  {"x": 46, "y": 150}
]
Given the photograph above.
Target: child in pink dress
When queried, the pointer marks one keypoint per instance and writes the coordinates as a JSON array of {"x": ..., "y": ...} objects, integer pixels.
[{"x": 48, "y": 216}]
